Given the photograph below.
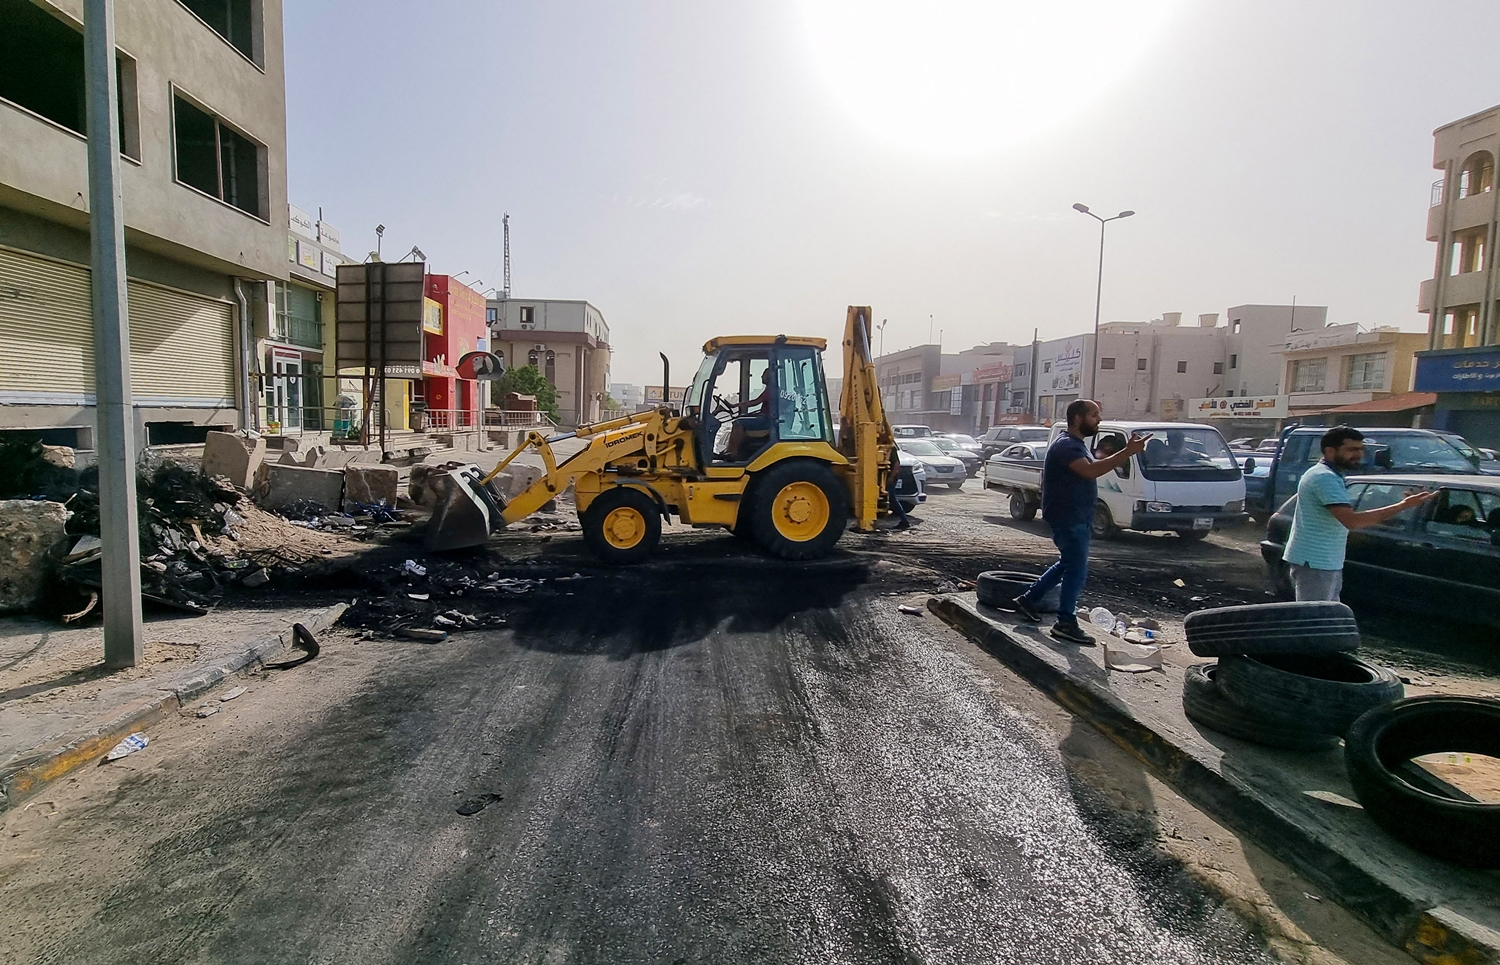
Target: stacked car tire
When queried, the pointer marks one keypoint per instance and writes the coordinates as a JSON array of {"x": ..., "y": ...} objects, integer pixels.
[{"x": 1285, "y": 675}]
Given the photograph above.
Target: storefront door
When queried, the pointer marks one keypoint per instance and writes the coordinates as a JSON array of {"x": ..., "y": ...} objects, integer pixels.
[{"x": 284, "y": 390}]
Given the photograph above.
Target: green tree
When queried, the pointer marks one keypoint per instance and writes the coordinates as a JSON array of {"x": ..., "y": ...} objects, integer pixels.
[
  {"x": 610, "y": 403},
  {"x": 527, "y": 380}
]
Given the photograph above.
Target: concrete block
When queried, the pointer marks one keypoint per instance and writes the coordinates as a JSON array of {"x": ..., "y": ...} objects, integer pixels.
[
  {"x": 33, "y": 541},
  {"x": 370, "y": 485},
  {"x": 62, "y": 457},
  {"x": 228, "y": 454},
  {"x": 288, "y": 484}
]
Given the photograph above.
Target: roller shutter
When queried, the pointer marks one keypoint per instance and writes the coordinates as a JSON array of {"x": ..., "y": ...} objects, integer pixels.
[{"x": 181, "y": 345}]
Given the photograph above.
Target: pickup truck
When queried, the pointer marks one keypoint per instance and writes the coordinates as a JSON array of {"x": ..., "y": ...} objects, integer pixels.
[{"x": 1017, "y": 469}]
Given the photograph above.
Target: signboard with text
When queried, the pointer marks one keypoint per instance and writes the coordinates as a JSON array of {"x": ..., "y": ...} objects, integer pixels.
[
  {"x": 1462, "y": 370},
  {"x": 1246, "y": 407},
  {"x": 994, "y": 371},
  {"x": 1063, "y": 372}
]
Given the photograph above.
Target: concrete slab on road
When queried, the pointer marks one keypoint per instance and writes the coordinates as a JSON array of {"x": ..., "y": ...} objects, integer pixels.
[{"x": 1435, "y": 911}]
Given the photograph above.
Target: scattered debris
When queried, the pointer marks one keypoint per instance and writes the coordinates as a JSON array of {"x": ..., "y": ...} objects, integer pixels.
[
  {"x": 910, "y": 610},
  {"x": 208, "y": 710},
  {"x": 1178, "y": 583},
  {"x": 233, "y": 693},
  {"x": 415, "y": 568},
  {"x": 420, "y": 596},
  {"x": 476, "y": 804},
  {"x": 424, "y": 636},
  {"x": 260, "y": 577},
  {"x": 1312, "y": 896},
  {"x": 129, "y": 745},
  {"x": 947, "y": 586},
  {"x": 1330, "y": 797},
  {"x": 1130, "y": 658}
]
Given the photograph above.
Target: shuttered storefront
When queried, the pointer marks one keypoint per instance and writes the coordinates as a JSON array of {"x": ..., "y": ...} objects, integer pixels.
[{"x": 181, "y": 345}]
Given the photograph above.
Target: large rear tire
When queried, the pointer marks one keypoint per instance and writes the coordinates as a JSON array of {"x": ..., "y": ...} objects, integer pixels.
[
  {"x": 622, "y": 525},
  {"x": 800, "y": 510}
]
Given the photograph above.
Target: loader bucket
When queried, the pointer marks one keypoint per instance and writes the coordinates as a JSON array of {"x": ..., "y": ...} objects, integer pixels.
[{"x": 467, "y": 510}]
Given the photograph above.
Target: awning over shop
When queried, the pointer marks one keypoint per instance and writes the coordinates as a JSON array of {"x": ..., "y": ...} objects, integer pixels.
[{"x": 1404, "y": 402}]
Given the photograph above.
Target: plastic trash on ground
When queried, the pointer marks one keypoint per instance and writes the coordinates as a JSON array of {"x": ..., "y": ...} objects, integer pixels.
[
  {"x": 1131, "y": 658},
  {"x": 129, "y": 745},
  {"x": 1101, "y": 618}
]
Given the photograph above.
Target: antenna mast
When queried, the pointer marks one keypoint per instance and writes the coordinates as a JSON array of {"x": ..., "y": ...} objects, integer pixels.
[{"x": 505, "y": 285}]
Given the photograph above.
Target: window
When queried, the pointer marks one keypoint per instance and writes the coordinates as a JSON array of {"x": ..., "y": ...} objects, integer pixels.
[
  {"x": 492, "y": 315},
  {"x": 1181, "y": 366},
  {"x": 1106, "y": 363},
  {"x": 1463, "y": 514},
  {"x": 1477, "y": 176},
  {"x": 1234, "y": 327},
  {"x": 1308, "y": 375},
  {"x": 299, "y": 316},
  {"x": 237, "y": 21},
  {"x": 1046, "y": 366},
  {"x": 1367, "y": 371},
  {"x": 1377, "y": 496},
  {"x": 802, "y": 408},
  {"x": 532, "y": 358},
  {"x": 218, "y": 160},
  {"x": 1023, "y": 370},
  {"x": 41, "y": 71},
  {"x": 528, "y": 316},
  {"x": 1140, "y": 365},
  {"x": 551, "y": 372},
  {"x": 1234, "y": 361},
  {"x": 1218, "y": 368}
]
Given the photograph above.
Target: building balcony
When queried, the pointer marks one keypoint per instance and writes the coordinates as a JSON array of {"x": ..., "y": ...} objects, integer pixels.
[
  {"x": 1471, "y": 212},
  {"x": 298, "y": 331}
]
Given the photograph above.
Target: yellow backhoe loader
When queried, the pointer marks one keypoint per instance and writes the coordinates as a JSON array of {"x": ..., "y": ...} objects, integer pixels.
[{"x": 753, "y": 450}]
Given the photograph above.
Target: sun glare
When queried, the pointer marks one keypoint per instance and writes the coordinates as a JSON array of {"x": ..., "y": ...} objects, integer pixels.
[{"x": 973, "y": 76}]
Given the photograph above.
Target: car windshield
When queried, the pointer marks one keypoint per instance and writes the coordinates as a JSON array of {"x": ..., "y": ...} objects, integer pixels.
[
  {"x": 1035, "y": 435},
  {"x": 921, "y": 447},
  {"x": 964, "y": 440},
  {"x": 1190, "y": 453},
  {"x": 1420, "y": 453},
  {"x": 947, "y": 445}
]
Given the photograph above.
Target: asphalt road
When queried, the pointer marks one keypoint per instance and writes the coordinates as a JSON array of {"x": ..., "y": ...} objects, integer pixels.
[{"x": 711, "y": 758}]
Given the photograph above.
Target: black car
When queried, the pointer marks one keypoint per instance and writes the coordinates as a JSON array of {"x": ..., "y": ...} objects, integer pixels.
[
  {"x": 996, "y": 438},
  {"x": 1442, "y": 558}
]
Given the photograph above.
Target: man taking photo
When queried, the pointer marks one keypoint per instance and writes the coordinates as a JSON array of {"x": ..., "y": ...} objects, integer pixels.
[
  {"x": 1325, "y": 515},
  {"x": 1069, "y": 491}
]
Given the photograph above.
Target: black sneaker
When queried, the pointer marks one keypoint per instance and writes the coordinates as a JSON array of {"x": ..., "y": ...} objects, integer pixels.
[
  {"x": 1070, "y": 632},
  {"x": 1024, "y": 608}
]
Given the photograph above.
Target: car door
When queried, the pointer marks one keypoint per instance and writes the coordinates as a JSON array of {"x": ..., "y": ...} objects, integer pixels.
[
  {"x": 1379, "y": 560},
  {"x": 1458, "y": 553}
]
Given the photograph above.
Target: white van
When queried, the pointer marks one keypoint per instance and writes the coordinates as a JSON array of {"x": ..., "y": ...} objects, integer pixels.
[{"x": 1186, "y": 482}]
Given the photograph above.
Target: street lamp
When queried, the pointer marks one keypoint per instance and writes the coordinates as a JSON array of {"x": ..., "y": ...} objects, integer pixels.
[
  {"x": 1099, "y": 290},
  {"x": 881, "y": 329}
]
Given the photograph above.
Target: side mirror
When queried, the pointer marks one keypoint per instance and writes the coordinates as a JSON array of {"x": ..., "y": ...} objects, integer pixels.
[
  {"x": 1383, "y": 458},
  {"x": 1249, "y": 466}
]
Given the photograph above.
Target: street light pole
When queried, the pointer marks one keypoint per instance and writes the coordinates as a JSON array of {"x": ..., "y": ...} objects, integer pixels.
[
  {"x": 1098, "y": 292},
  {"x": 114, "y": 411}
]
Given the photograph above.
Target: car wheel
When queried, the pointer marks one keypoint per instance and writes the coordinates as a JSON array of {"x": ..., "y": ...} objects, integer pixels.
[
  {"x": 1324, "y": 692},
  {"x": 1204, "y": 703},
  {"x": 1280, "y": 576},
  {"x": 1021, "y": 508},
  {"x": 1104, "y": 522},
  {"x": 1267, "y": 628},
  {"x": 955, "y": 487},
  {"x": 1194, "y": 535},
  {"x": 1380, "y": 742}
]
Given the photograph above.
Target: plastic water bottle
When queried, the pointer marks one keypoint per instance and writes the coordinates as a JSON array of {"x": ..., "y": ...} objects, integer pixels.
[{"x": 1101, "y": 618}]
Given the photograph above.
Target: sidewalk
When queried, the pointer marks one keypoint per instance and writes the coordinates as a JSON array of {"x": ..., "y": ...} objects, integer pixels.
[
  {"x": 59, "y": 708},
  {"x": 1298, "y": 807}
]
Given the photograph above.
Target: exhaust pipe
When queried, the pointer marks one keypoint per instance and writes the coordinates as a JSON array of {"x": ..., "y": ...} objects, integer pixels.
[{"x": 666, "y": 380}]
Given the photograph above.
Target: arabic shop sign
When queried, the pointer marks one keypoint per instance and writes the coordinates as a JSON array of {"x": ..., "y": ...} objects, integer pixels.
[
  {"x": 1245, "y": 407},
  {"x": 1462, "y": 370}
]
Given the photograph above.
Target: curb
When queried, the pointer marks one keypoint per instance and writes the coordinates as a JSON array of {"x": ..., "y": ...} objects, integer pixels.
[
  {"x": 46, "y": 764},
  {"x": 1431, "y": 934}
]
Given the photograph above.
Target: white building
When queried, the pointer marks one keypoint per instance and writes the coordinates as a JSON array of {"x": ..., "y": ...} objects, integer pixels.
[{"x": 566, "y": 339}]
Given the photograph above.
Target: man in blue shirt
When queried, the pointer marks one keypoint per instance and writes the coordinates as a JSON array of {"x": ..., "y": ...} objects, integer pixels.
[
  {"x": 1325, "y": 515},
  {"x": 1069, "y": 492}
]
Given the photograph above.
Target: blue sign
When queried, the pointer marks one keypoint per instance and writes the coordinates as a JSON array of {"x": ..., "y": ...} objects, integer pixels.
[{"x": 1464, "y": 370}]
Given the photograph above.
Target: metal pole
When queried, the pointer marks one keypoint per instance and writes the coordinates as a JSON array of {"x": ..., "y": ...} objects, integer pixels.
[
  {"x": 1098, "y": 296},
  {"x": 120, "y": 579}
]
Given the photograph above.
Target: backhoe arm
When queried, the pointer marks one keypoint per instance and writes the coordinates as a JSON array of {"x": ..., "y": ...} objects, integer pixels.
[
  {"x": 865, "y": 435},
  {"x": 611, "y": 441}
]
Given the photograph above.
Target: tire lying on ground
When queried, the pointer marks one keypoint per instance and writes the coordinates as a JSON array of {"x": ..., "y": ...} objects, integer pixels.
[
  {"x": 1202, "y": 702},
  {"x": 1464, "y": 832},
  {"x": 1313, "y": 627},
  {"x": 1325, "y": 692},
  {"x": 997, "y": 588}
]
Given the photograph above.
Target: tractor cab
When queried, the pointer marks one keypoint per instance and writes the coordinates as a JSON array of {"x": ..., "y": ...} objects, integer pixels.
[{"x": 754, "y": 391}]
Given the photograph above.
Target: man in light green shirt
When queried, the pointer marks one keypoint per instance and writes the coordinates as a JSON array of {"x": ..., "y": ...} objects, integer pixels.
[{"x": 1324, "y": 515}]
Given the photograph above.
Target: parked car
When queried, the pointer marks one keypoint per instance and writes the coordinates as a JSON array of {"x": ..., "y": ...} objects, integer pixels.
[
  {"x": 913, "y": 490},
  {"x": 966, "y": 442},
  {"x": 941, "y": 467},
  {"x": 996, "y": 438},
  {"x": 1483, "y": 459},
  {"x": 970, "y": 459},
  {"x": 1017, "y": 470},
  {"x": 1386, "y": 450},
  {"x": 912, "y": 432},
  {"x": 1440, "y": 558},
  {"x": 1256, "y": 468},
  {"x": 1244, "y": 442}
]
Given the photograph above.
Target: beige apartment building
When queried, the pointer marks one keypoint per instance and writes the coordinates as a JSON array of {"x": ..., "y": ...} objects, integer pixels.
[
  {"x": 1347, "y": 364},
  {"x": 1460, "y": 298},
  {"x": 568, "y": 342},
  {"x": 203, "y": 177}
]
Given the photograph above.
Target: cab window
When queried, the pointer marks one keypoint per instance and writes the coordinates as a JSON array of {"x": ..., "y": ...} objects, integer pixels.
[{"x": 801, "y": 405}]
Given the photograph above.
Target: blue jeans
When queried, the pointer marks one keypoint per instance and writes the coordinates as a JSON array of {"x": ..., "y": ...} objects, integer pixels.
[{"x": 1071, "y": 570}]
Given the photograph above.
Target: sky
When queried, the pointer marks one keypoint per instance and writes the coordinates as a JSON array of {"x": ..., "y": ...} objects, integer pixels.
[{"x": 698, "y": 169}]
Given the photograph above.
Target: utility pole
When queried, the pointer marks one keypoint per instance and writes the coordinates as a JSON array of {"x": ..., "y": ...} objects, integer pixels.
[
  {"x": 505, "y": 284},
  {"x": 881, "y": 328},
  {"x": 120, "y": 577},
  {"x": 1098, "y": 292}
]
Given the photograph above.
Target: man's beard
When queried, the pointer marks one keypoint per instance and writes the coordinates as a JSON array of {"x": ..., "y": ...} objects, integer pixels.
[{"x": 1347, "y": 464}]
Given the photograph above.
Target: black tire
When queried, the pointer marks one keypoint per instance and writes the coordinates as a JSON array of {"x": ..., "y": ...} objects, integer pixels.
[
  {"x": 641, "y": 509},
  {"x": 1323, "y": 692},
  {"x": 1103, "y": 525},
  {"x": 1260, "y": 628},
  {"x": 1203, "y": 702},
  {"x": 769, "y": 492},
  {"x": 1280, "y": 577},
  {"x": 998, "y": 588},
  {"x": 1021, "y": 508},
  {"x": 955, "y": 487},
  {"x": 1195, "y": 535},
  {"x": 1464, "y": 832}
]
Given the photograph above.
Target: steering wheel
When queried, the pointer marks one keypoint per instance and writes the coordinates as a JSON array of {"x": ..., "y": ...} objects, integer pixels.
[{"x": 722, "y": 406}]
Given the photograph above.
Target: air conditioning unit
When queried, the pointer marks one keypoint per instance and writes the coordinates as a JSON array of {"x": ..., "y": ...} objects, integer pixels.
[
  {"x": 540, "y": 348},
  {"x": 528, "y": 326}
]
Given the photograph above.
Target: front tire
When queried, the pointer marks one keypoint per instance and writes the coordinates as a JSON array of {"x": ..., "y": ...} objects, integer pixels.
[
  {"x": 1193, "y": 535},
  {"x": 800, "y": 510},
  {"x": 622, "y": 525},
  {"x": 1103, "y": 525}
]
